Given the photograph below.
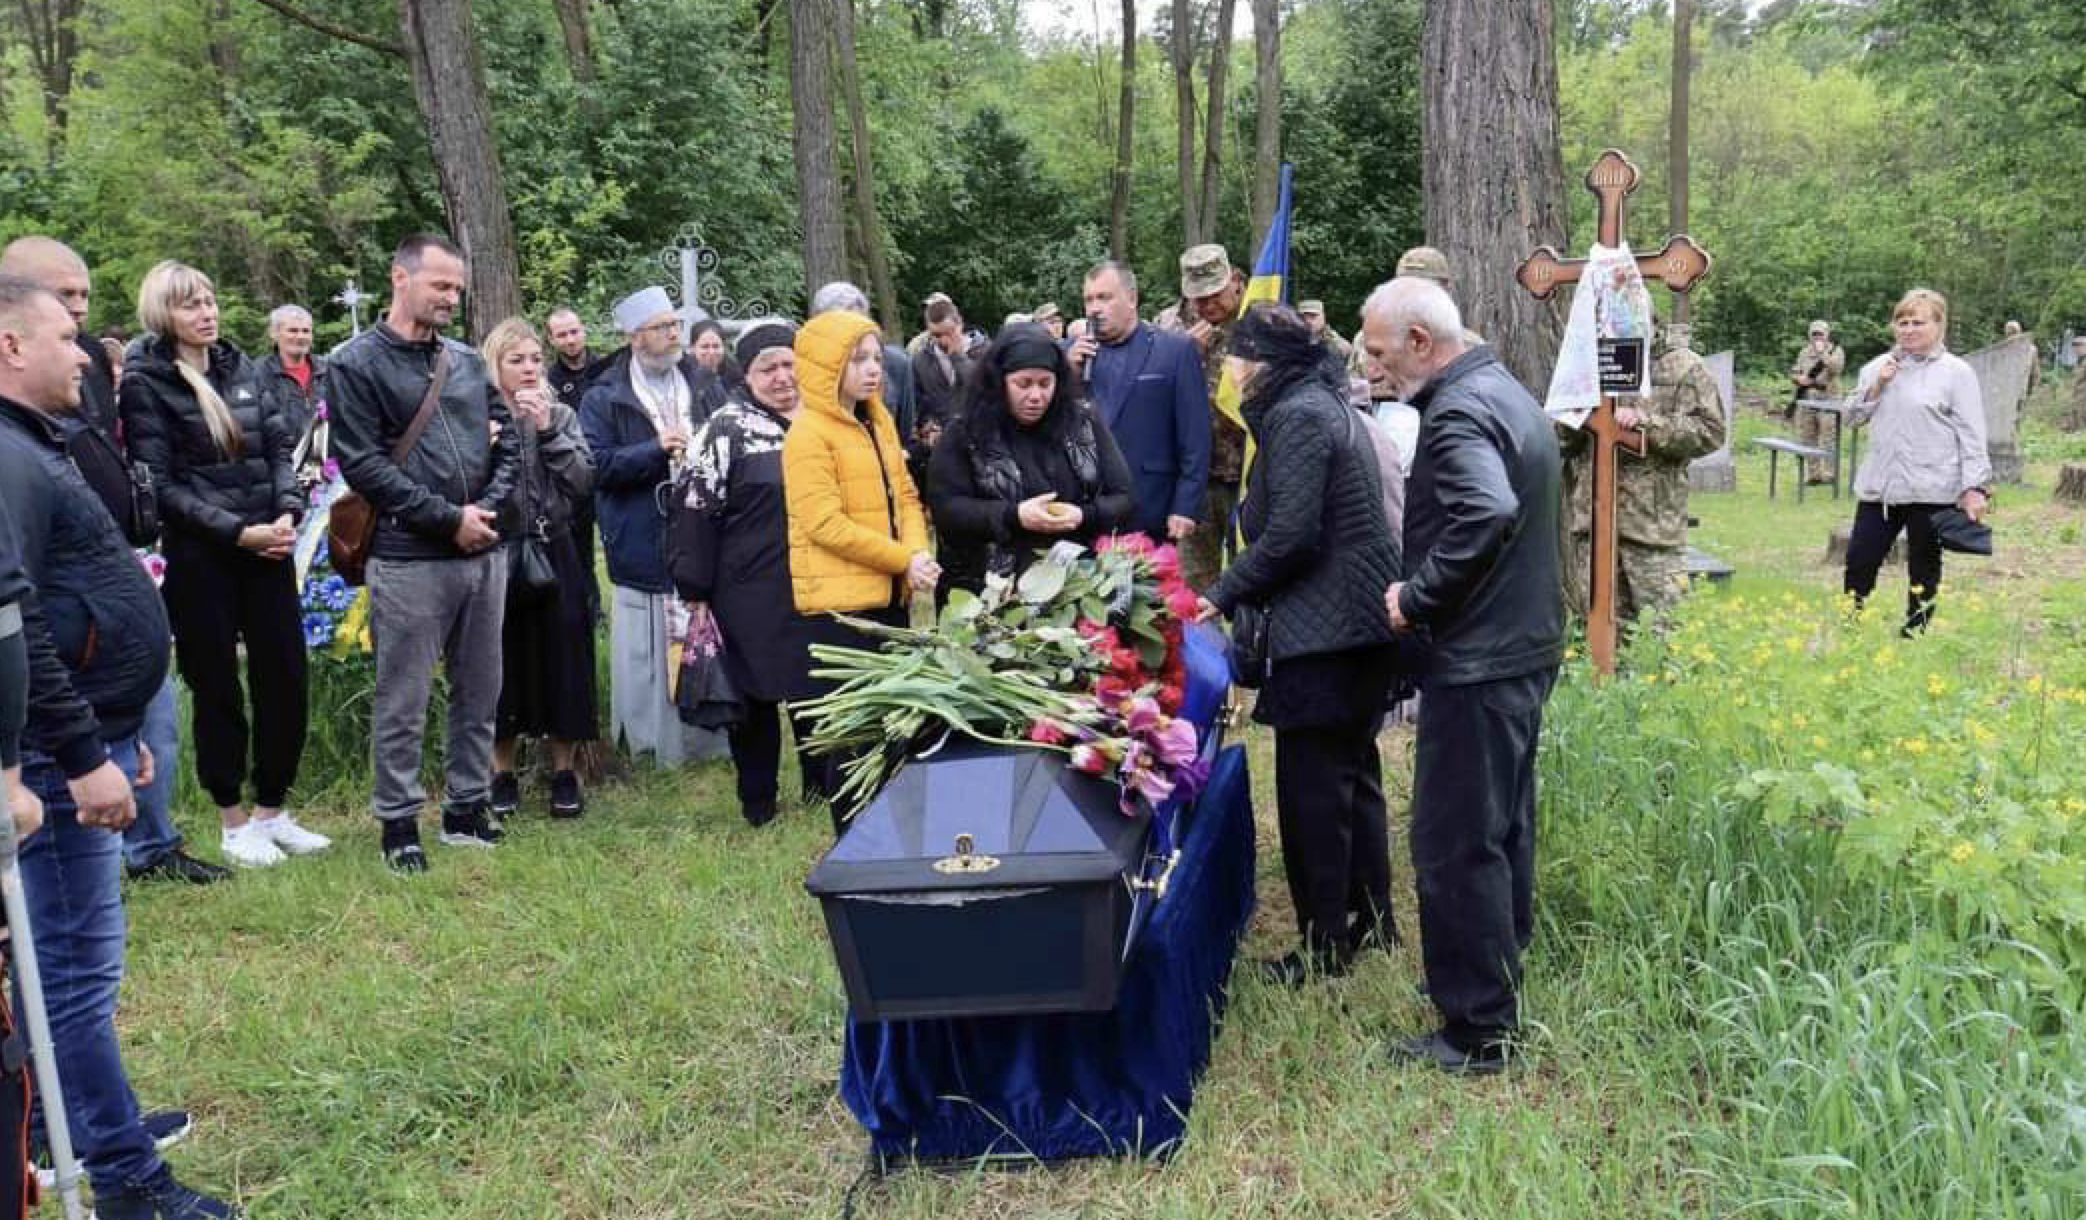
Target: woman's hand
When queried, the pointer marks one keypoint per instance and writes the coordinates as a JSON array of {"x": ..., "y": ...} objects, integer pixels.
[
  {"x": 271, "y": 541},
  {"x": 533, "y": 405},
  {"x": 922, "y": 572},
  {"x": 1205, "y": 610},
  {"x": 1974, "y": 503},
  {"x": 1044, "y": 515}
]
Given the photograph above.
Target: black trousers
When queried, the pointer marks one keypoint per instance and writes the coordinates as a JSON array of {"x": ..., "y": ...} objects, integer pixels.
[
  {"x": 1474, "y": 849},
  {"x": 757, "y": 760},
  {"x": 217, "y": 597},
  {"x": 1876, "y": 527},
  {"x": 1336, "y": 846}
]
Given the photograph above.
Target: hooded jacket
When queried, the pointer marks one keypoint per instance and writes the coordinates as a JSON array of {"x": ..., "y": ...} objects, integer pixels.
[
  {"x": 203, "y": 491},
  {"x": 854, "y": 515}
]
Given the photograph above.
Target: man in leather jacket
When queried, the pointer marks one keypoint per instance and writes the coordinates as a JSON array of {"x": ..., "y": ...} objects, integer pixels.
[
  {"x": 1482, "y": 593},
  {"x": 437, "y": 574}
]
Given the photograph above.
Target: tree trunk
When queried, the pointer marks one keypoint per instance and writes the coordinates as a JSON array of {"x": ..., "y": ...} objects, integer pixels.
[
  {"x": 869, "y": 225},
  {"x": 1677, "y": 135},
  {"x": 818, "y": 180},
  {"x": 449, "y": 82},
  {"x": 54, "y": 45},
  {"x": 2071, "y": 484},
  {"x": 579, "y": 40},
  {"x": 1267, "y": 125},
  {"x": 2074, "y": 417},
  {"x": 1125, "y": 124},
  {"x": 1493, "y": 177},
  {"x": 1214, "y": 137},
  {"x": 1183, "y": 55}
]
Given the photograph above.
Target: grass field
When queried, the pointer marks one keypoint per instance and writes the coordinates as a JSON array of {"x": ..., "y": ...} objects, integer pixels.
[{"x": 637, "y": 1017}]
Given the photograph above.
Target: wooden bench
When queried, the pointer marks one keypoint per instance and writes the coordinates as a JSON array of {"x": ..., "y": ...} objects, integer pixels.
[{"x": 1804, "y": 454}]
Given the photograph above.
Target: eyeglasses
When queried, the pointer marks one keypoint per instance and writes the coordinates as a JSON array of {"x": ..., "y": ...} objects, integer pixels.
[{"x": 671, "y": 325}]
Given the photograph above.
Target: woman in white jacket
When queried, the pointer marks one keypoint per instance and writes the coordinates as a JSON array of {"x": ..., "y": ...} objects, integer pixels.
[{"x": 1927, "y": 452}]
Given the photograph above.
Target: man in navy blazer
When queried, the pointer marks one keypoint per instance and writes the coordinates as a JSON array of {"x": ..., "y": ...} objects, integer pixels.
[{"x": 1147, "y": 386}]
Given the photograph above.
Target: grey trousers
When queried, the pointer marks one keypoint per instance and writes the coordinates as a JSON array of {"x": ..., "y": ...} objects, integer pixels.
[{"x": 421, "y": 612}]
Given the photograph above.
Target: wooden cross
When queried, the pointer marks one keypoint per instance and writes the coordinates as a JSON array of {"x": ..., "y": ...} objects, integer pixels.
[{"x": 1679, "y": 264}]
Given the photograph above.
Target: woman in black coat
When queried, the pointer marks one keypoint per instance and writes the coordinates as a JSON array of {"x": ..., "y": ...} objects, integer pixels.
[
  {"x": 1318, "y": 556},
  {"x": 1027, "y": 464},
  {"x": 728, "y": 552},
  {"x": 229, "y": 503}
]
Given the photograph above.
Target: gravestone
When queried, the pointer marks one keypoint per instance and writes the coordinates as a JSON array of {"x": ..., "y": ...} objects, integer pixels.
[
  {"x": 2003, "y": 373},
  {"x": 1716, "y": 471}
]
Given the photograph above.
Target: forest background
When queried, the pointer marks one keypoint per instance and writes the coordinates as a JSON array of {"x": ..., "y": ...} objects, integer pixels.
[{"x": 1842, "y": 151}]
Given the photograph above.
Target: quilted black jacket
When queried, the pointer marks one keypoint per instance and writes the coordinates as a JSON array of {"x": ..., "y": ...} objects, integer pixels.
[
  {"x": 203, "y": 491},
  {"x": 1319, "y": 553}
]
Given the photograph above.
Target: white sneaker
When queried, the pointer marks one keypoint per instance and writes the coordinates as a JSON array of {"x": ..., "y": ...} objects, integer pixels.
[
  {"x": 251, "y": 846},
  {"x": 283, "y": 831}
]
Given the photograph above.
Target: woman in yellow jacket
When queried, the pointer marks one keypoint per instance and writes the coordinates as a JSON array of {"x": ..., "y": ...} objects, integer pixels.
[{"x": 857, "y": 535}]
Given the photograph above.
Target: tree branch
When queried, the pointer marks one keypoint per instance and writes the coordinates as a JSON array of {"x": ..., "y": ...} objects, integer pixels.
[{"x": 324, "y": 26}]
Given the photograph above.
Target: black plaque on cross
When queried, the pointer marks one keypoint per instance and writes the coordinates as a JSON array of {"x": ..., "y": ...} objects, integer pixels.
[{"x": 1679, "y": 264}]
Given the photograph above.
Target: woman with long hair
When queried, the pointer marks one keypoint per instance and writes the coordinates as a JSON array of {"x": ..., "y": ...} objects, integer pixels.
[{"x": 229, "y": 503}]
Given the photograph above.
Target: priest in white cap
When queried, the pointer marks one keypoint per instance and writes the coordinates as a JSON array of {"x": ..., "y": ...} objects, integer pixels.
[{"x": 638, "y": 417}]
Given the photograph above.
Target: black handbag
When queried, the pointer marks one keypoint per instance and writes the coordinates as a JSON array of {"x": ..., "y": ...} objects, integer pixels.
[
  {"x": 1955, "y": 531},
  {"x": 530, "y": 571},
  {"x": 1250, "y": 662}
]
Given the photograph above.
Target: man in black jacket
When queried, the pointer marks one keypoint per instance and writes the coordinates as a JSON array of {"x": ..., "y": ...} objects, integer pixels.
[
  {"x": 437, "y": 575},
  {"x": 152, "y": 845},
  {"x": 97, "y": 644},
  {"x": 1482, "y": 592}
]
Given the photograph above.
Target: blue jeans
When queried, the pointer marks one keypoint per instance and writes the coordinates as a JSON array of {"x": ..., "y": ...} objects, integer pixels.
[
  {"x": 153, "y": 835},
  {"x": 72, "y": 878}
]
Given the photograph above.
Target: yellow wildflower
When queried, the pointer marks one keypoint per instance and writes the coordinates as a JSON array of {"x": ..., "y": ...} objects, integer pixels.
[
  {"x": 1818, "y": 740},
  {"x": 1962, "y": 852},
  {"x": 2073, "y": 805},
  {"x": 2035, "y": 684},
  {"x": 1935, "y": 686},
  {"x": 1800, "y": 720},
  {"x": 1918, "y": 745}
]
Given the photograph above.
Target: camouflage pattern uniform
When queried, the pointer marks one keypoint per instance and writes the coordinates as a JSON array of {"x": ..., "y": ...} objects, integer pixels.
[
  {"x": 1812, "y": 428},
  {"x": 1202, "y": 552},
  {"x": 1684, "y": 420}
]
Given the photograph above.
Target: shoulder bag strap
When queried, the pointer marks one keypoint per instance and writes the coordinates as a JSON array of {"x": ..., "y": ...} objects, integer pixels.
[{"x": 426, "y": 414}]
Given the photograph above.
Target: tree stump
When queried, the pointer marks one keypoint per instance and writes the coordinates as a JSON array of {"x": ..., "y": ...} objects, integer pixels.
[
  {"x": 2071, "y": 483},
  {"x": 2073, "y": 417}
]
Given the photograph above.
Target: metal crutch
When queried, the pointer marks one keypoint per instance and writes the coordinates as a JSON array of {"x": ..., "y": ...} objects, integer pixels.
[{"x": 30, "y": 979}]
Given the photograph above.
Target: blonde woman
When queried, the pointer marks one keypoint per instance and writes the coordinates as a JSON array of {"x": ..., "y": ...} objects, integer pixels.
[
  {"x": 547, "y": 637},
  {"x": 220, "y": 462},
  {"x": 1927, "y": 452}
]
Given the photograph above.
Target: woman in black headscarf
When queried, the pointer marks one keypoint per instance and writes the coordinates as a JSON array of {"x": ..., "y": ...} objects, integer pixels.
[
  {"x": 1318, "y": 555},
  {"x": 713, "y": 355},
  {"x": 1027, "y": 464}
]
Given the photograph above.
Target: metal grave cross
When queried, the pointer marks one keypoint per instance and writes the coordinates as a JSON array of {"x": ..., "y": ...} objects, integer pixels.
[
  {"x": 1678, "y": 265},
  {"x": 352, "y": 297}
]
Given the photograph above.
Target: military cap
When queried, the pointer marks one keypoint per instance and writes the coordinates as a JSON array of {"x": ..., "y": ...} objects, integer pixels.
[
  {"x": 1426, "y": 262},
  {"x": 1044, "y": 312},
  {"x": 1311, "y": 309},
  {"x": 1204, "y": 270},
  {"x": 1821, "y": 327}
]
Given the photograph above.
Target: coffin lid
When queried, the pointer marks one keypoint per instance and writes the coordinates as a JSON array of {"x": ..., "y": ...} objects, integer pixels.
[{"x": 1043, "y": 821}]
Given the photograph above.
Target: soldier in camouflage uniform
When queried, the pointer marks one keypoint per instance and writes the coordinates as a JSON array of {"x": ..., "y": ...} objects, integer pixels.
[
  {"x": 1816, "y": 374},
  {"x": 1211, "y": 289},
  {"x": 1682, "y": 419},
  {"x": 1313, "y": 314}
]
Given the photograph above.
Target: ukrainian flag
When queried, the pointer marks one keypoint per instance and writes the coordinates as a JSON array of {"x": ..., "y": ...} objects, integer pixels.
[{"x": 1270, "y": 282}]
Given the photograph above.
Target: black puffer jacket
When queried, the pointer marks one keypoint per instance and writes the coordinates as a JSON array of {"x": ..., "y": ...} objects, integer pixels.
[
  {"x": 203, "y": 491},
  {"x": 98, "y": 637},
  {"x": 1481, "y": 527},
  {"x": 1319, "y": 553},
  {"x": 376, "y": 381}
]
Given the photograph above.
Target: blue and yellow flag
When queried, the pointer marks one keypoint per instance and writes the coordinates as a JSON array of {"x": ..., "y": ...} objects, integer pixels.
[{"x": 1270, "y": 282}]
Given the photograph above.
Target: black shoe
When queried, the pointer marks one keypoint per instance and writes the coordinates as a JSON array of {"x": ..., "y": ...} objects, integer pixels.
[
  {"x": 468, "y": 828},
  {"x": 1298, "y": 968},
  {"x": 162, "y": 1199},
  {"x": 757, "y": 813},
  {"x": 178, "y": 865},
  {"x": 506, "y": 795},
  {"x": 566, "y": 800},
  {"x": 1437, "y": 1050},
  {"x": 402, "y": 846}
]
